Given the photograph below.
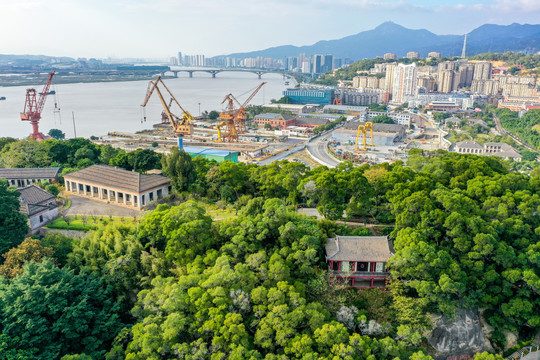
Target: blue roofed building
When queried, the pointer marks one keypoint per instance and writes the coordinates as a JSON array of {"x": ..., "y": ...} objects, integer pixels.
[
  {"x": 310, "y": 95},
  {"x": 211, "y": 154}
]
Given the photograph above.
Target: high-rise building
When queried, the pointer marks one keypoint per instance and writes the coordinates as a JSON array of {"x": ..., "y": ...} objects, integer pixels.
[
  {"x": 306, "y": 67},
  {"x": 434, "y": 54},
  {"x": 413, "y": 55},
  {"x": 328, "y": 64},
  {"x": 390, "y": 56},
  {"x": 337, "y": 63},
  {"x": 389, "y": 78},
  {"x": 317, "y": 64},
  {"x": 466, "y": 74},
  {"x": 486, "y": 87},
  {"x": 448, "y": 81},
  {"x": 173, "y": 61},
  {"x": 180, "y": 58},
  {"x": 426, "y": 82},
  {"x": 404, "y": 82},
  {"x": 482, "y": 71},
  {"x": 446, "y": 65}
]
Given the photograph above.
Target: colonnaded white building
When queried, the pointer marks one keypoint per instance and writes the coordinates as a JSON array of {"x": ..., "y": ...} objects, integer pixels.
[{"x": 116, "y": 185}]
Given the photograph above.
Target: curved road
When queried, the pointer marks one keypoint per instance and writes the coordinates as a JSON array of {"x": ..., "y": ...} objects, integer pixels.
[{"x": 318, "y": 149}]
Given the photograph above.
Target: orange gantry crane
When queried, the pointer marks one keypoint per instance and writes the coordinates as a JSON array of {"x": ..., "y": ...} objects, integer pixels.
[
  {"x": 33, "y": 106},
  {"x": 233, "y": 118},
  {"x": 181, "y": 126}
]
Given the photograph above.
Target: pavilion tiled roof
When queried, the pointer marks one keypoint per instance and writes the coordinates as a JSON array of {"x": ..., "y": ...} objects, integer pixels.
[
  {"x": 118, "y": 178},
  {"x": 358, "y": 248},
  {"x": 29, "y": 173}
]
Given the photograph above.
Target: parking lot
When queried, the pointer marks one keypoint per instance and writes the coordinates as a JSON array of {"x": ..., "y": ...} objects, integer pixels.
[{"x": 85, "y": 206}]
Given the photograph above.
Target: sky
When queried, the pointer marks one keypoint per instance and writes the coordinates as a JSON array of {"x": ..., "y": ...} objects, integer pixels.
[{"x": 161, "y": 28}]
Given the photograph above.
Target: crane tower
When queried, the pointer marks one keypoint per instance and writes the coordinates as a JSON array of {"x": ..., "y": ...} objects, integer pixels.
[{"x": 33, "y": 106}]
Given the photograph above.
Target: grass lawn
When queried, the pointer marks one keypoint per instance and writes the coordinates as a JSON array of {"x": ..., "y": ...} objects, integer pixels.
[
  {"x": 76, "y": 222},
  {"x": 216, "y": 213},
  {"x": 221, "y": 214}
]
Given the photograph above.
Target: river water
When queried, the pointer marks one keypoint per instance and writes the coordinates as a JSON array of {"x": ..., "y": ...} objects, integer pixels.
[{"x": 100, "y": 108}]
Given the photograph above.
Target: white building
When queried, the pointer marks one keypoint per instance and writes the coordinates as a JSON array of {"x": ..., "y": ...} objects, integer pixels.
[
  {"x": 116, "y": 185},
  {"x": 404, "y": 82},
  {"x": 39, "y": 205}
]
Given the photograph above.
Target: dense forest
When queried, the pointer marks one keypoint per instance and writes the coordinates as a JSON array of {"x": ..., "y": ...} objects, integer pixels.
[
  {"x": 179, "y": 285},
  {"x": 527, "y": 128}
]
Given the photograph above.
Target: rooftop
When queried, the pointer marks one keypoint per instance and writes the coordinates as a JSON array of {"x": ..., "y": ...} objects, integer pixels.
[
  {"x": 358, "y": 248},
  {"x": 33, "y": 199},
  {"x": 207, "y": 151},
  {"x": 469, "y": 145},
  {"x": 268, "y": 116},
  {"x": 29, "y": 173},
  {"x": 311, "y": 121},
  {"x": 118, "y": 178}
]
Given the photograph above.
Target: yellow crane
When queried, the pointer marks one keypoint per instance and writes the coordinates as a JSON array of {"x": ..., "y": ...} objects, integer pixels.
[
  {"x": 363, "y": 129},
  {"x": 181, "y": 126}
]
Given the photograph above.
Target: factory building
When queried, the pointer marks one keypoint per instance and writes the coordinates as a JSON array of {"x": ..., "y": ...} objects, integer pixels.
[
  {"x": 211, "y": 154},
  {"x": 383, "y": 134}
]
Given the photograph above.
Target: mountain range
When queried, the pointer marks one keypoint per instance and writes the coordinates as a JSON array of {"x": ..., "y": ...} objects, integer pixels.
[{"x": 394, "y": 38}]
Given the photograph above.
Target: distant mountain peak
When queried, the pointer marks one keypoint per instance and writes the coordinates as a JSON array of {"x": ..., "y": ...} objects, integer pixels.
[
  {"x": 389, "y": 25},
  {"x": 394, "y": 38}
]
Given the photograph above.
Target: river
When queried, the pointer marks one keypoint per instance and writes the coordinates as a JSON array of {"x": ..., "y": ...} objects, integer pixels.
[{"x": 100, "y": 108}]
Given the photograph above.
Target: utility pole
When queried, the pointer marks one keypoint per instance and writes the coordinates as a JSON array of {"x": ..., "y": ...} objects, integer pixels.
[{"x": 74, "y": 129}]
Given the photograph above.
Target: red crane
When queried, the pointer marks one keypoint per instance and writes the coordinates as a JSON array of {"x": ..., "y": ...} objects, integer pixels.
[{"x": 33, "y": 106}]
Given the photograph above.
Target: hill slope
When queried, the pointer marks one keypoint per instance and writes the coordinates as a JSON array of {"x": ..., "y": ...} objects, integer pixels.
[{"x": 391, "y": 37}]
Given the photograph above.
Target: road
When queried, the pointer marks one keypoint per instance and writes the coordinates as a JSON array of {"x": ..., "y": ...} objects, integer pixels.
[
  {"x": 319, "y": 150},
  {"x": 282, "y": 155}
]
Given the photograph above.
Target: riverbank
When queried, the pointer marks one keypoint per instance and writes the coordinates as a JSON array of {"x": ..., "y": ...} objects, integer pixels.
[{"x": 31, "y": 79}]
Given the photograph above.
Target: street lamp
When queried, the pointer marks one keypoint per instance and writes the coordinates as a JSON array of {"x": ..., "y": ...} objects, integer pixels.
[{"x": 199, "y": 109}]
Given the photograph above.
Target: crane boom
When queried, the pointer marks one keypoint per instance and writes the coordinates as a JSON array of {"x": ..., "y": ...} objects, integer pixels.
[
  {"x": 180, "y": 126},
  {"x": 44, "y": 93},
  {"x": 33, "y": 107}
]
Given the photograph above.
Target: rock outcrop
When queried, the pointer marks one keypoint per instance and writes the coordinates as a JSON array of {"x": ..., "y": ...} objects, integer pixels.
[{"x": 457, "y": 336}]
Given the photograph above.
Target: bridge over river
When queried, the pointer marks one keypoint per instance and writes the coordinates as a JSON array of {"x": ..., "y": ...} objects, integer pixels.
[{"x": 214, "y": 72}]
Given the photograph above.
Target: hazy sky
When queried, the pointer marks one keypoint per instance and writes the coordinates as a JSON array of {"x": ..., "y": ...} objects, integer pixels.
[{"x": 161, "y": 28}]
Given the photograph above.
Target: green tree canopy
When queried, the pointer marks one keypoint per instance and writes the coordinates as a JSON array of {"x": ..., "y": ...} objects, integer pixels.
[
  {"x": 179, "y": 168},
  {"x": 13, "y": 224},
  {"x": 58, "y": 312}
]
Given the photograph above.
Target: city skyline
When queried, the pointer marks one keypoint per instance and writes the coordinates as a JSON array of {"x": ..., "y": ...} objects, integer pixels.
[{"x": 158, "y": 29}]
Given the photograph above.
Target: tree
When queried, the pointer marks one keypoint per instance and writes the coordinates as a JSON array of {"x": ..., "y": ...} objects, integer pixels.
[
  {"x": 382, "y": 119},
  {"x": 4, "y": 141},
  {"x": 179, "y": 168},
  {"x": 213, "y": 115},
  {"x": 58, "y": 312},
  {"x": 29, "y": 250},
  {"x": 114, "y": 254},
  {"x": 25, "y": 153},
  {"x": 13, "y": 224},
  {"x": 60, "y": 244},
  {"x": 53, "y": 189},
  {"x": 155, "y": 144},
  {"x": 57, "y": 134}
]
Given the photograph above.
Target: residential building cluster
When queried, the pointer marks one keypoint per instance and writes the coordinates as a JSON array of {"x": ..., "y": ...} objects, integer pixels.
[
  {"x": 309, "y": 64},
  {"x": 468, "y": 81}
]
